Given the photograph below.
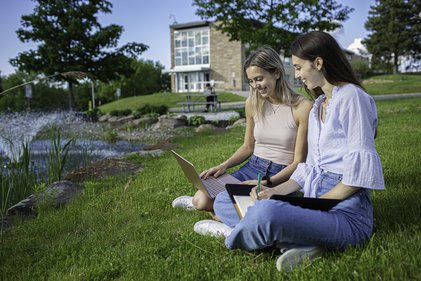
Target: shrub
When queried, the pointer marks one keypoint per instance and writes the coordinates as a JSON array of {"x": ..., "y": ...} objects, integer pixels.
[
  {"x": 196, "y": 120},
  {"x": 114, "y": 112},
  {"x": 148, "y": 108}
]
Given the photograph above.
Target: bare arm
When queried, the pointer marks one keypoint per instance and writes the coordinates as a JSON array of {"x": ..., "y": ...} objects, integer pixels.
[
  {"x": 242, "y": 153},
  {"x": 340, "y": 191},
  {"x": 285, "y": 188}
]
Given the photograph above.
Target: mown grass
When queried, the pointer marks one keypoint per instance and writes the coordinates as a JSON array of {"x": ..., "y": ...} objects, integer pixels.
[
  {"x": 112, "y": 234},
  {"x": 393, "y": 84},
  {"x": 169, "y": 99}
]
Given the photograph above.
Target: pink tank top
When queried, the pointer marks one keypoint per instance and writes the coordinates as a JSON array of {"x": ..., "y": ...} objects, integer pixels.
[{"x": 275, "y": 135}]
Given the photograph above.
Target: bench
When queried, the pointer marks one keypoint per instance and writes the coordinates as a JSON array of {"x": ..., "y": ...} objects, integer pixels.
[{"x": 216, "y": 105}]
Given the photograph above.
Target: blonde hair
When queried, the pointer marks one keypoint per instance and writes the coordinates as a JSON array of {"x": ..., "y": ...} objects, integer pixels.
[{"x": 268, "y": 59}]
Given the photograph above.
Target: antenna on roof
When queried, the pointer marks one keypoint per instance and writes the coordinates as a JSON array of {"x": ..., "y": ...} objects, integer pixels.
[{"x": 172, "y": 17}]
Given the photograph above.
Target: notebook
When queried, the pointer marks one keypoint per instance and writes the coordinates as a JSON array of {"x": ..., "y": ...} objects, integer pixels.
[
  {"x": 210, "y": 186},
  {"x": 239, "y": 194}
]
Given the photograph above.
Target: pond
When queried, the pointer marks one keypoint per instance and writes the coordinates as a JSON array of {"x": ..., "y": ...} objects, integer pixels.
[{"x": 36, "y": 130}]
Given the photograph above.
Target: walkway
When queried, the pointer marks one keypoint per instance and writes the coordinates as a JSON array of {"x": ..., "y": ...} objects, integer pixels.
[{"x": 240, "y": 104}]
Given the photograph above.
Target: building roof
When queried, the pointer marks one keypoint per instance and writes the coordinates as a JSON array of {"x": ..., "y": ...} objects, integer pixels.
[{"x": 190, "y": 24}]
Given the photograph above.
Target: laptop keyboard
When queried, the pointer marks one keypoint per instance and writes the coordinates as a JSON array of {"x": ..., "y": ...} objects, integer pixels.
[{"x": 214, "y": 186}]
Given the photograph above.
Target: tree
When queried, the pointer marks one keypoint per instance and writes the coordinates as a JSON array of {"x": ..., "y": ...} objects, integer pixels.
[
  {"x": 146, "y": 79},
  {"x": 395, "y": 27},
  {"x": 70, "y": 38},
  {"x": 275, "y": 23}
]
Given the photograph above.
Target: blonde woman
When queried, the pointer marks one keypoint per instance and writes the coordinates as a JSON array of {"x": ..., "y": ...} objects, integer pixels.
[{"x": 275, "y": 139}]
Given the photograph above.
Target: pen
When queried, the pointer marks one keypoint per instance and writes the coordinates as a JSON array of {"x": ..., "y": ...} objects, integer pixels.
[{"x": 259, "y": 177}]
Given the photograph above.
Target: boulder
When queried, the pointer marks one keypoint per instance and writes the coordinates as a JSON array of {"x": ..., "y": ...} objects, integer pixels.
[
  {"x": 239, "y": 123},
  {"x": 205, "y": 127},
  {"x": 170, "y": 123},
  {"x": 56, "y": 194}
]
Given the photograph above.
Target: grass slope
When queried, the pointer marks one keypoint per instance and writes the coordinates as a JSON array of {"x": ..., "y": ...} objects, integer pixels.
[
  {"x": 169, "y": 99},
  {"x": 377, "y": 85},
  {"x": 127, "y": 230}
]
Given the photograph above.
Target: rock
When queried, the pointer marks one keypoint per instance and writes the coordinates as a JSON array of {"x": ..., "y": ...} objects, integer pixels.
[
  {"x": 239, "y": 123},
  {"x": 144, "y": 122},
  {"x": 125, "y": 119},
  {"x": 104, "y": 118},
  {"x": 169, "y": 123},
  {"x": 56, "y": 194},
  {"x": 113, "y": 119},
  {"x": 205, "y": 127}
]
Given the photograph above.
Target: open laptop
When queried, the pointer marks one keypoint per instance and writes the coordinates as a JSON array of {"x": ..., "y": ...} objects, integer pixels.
[{"x": 210, "y": 186}]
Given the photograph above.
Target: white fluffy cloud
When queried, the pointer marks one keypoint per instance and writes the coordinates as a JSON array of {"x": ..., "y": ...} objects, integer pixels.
[{"x": 357, "y": 47}]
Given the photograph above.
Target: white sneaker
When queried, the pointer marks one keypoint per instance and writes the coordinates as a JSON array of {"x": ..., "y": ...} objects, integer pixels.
[
  {"x": 183, "y": 202},
  {"x": 212, "y": 228},
  {"x": 292, "y": 257}
]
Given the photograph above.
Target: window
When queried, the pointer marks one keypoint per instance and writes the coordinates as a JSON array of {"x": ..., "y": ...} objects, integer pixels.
[{"x": 191, "y": 47}]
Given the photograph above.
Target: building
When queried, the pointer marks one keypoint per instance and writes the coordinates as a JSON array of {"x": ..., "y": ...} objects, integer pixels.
[{"x": 201, "y": 54}]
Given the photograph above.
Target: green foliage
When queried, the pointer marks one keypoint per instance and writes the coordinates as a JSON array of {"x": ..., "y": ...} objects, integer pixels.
[
  {"x": 395, "y": 29},
  {"x": 57, "y": 156},
  {"x": 160, "y": 109},
  {"x": 266, "y": 22},
  {"x": 70, "y": 38},
  {"x": 94, "y": 114},
  {"x": 17, "y": 176},
  {"x": 361, "y": 68},
  {"x": 146, "y": 80},
  {"x": 111, "y": 136},
  {"x": 196, "y": 120},
  {"x": 121, "y": 113}
]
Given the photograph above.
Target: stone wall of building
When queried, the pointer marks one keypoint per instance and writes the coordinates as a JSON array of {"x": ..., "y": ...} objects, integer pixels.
[{"x": 226, "y": 60}]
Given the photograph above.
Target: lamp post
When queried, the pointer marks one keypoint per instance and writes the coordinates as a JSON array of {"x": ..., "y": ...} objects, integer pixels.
[{"x": 93, "y": 94}]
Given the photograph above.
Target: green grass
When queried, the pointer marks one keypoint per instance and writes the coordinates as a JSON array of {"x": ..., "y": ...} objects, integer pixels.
[
  {"x": 377, "y": 85},
  {"x": 112, "y": 234},
  {"x": 169, "y": 99},
  {"x": 393, "y": 84}
]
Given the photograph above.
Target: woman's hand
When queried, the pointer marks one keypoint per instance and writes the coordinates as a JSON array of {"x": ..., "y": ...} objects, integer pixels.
[
  {"x": 265, "y": 193},
  {"x": 214, "y": 171}
]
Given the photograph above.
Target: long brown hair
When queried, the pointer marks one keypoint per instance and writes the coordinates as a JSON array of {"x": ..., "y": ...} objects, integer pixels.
[
  {"x": 268, "y": 59},
  {"x": 336, "y": 67}
]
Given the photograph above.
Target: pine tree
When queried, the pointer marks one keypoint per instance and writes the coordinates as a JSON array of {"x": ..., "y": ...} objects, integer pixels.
[{"x": 395, "y": 27}]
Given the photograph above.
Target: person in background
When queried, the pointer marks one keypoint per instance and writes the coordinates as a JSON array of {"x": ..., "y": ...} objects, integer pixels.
[
  {"x": 211, "y": 98},
  {"x": 342, "y": 163},
  {"x": 275, "y": 138}
]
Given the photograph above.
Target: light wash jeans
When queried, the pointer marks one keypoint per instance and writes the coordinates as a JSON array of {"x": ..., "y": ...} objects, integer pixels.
[
  {"x": 272, "y": 222},
  {"x": 255, "y": 165}
]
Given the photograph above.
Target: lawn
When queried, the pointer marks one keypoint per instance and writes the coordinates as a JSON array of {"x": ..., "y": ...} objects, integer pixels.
[
  {"x": 393, "y": 84},
  {"x": 125, "y": 228},
  {"x": 377, "y": 85},
  {"x": 169, "y": 99}
]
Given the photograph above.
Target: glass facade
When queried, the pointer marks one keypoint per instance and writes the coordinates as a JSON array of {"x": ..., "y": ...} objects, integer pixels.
[
  {"x": 191, "y": 47},
  {"x": 191, "y": 50}
]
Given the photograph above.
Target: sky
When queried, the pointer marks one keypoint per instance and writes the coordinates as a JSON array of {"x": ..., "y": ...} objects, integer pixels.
[{"x": 148, "y": 21}]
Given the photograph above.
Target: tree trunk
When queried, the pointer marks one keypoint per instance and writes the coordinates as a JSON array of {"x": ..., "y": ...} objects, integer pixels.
[
  {"x": 71, "y": 96},
  {"x": 395, "y": 63}
]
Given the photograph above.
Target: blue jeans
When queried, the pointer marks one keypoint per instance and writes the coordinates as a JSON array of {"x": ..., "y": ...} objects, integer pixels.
[
  {"x": 248, "y": 171},
  {"x": 270, "y": 222},
  {"x": 255, "y": 165}
]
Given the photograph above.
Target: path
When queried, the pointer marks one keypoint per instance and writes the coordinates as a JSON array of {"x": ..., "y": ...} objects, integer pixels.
[{"x": 240, "y": 104}]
